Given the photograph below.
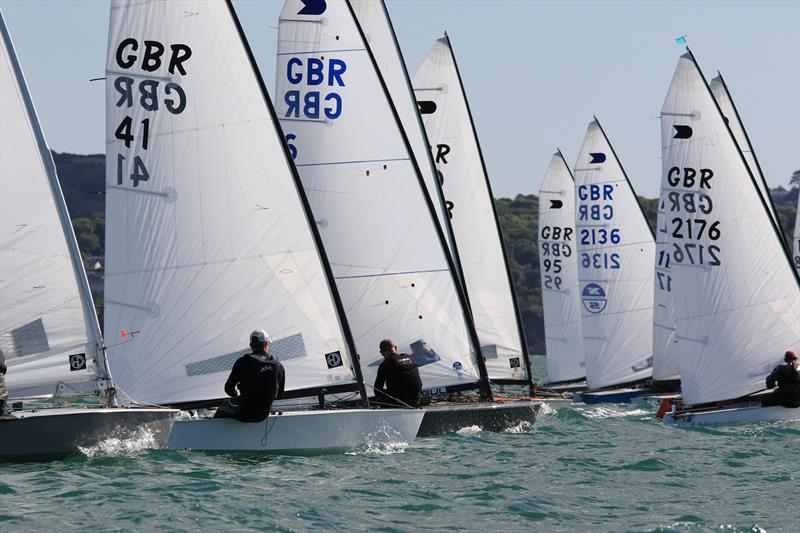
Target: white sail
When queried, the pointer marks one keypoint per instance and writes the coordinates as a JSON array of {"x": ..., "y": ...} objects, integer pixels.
[
  {"x": 468, "y": 194},
  {"x": 666, "y": 357},
  {"x": 207, "y": 237},
  {"x": 385, "y": 246},
  {"x": 616, "y": 256},
  {"x": 796, "y": 237},
  {"x": 377, "y": 27},
  {"x": 719, "y": 89},
  {"x": 48, "y": 328},
  {"x": 736, "y": 297},
  {"x": 558, "y": 265}
]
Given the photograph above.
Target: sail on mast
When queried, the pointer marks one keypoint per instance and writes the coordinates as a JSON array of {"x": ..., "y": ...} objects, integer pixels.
[
  {"x": 207, "y": 234},
  {"x": 666, "y": 357},
  {"x": 387, "y": 250},
  {"x": 377, "y": 27},
  {"x": 558, "y": 265},
  {"x": 796, "y": 237},
  {"x": 467, "y": 190},
  {"x": 719, "y": 89},
  {"x": 49, "y": 332},
  {"x": 736, "y": 295},
  {"x": 617, "y": 253}
]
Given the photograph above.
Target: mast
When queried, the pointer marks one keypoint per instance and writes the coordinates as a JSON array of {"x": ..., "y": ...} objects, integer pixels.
[
  {"x": 344, "y": 324},
  {"x": 520, "y": 329},
  {"x": 105, "y": 382},
  {"x": 770, "y": 203},
  {"x": 772, "y": 221},
  {"x": 484, "y": 385},
  {"x": 625, "y": 174},
  {"x": 439, "y": 192}
]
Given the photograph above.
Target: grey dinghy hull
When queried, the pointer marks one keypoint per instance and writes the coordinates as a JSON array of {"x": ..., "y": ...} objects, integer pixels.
[
  {"x": 58, "y": 432},
  {"x": 448, "y": 417}
]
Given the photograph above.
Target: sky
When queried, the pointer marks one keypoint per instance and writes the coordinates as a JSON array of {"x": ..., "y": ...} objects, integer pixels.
[{"x": 535, "y": 72}]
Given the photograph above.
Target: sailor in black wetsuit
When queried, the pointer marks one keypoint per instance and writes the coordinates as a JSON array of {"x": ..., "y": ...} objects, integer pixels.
[
  {"x": 258, "y": 378},
  {"x": 398, "y": 382},
  {"x": 3, "y": 389},
  {"x": 787, "y": 378}
]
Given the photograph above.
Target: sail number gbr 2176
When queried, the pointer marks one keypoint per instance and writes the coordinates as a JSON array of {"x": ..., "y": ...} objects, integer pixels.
[
  {"x": 692, "y": 228},
  {"x": 144, "y": 93}
]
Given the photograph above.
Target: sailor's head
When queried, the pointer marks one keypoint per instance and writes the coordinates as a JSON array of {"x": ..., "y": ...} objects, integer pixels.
[
  {"x": 790, "y": 356},
  {"x": 387, "y": 347},
  {"x": 259, "y": 340}
]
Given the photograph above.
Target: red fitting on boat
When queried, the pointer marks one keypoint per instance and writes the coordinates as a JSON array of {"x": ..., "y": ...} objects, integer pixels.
[{"x": 664, "y": 408}]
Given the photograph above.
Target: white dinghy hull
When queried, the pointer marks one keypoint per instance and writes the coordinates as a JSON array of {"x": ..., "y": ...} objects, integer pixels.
[
  {"x": 301, "y": 432},
  {"x": 733, "y": 415},
  {"x": 58, "y": 432}
]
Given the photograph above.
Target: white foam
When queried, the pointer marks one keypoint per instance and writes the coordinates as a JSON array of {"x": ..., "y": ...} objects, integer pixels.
[
  {"x": 607, "y": 412},
  {"x": 469, "y": 430},
  {"x": 523, "y": 427},
  {"x": 385, "y": 440},
  {"x": 141, "y": 440}
]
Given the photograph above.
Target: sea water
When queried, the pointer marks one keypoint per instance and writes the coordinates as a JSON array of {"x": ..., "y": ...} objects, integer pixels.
[{"x": 598, "y": 468}]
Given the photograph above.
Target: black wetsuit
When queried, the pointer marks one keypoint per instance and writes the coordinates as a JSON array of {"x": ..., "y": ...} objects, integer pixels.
[
  {"x": 787, "y": 378},
  {"x": 3, "y": 389},
  {"x": 258, "y": 384},
  {"x": 398, "y": 377}
]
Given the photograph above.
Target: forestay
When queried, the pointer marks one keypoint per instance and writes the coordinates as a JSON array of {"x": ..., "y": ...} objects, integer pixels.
[
  {"x": 615, "y": 274},
  {"x": 377, "y": 27},
  {"x": 48, "y": 328},
  {"x": 207, "y": 237},
  {"x": 737, "y": 300},
  {"x": 719, "y": 89},
  {"x": 467, "y": 191},
  {"x": 558, "y": 265},
  {"x": 385, "y": 246}
]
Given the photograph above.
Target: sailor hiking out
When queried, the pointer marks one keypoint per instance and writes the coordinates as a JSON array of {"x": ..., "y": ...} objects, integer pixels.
[
  {"x": 398, "y": 382},
  {"x": 256, "y": 380},
  {"x": 786, "y": 377}
]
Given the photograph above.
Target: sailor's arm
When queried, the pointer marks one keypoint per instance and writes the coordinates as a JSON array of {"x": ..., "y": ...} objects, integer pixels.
[
  {"x": 772, "y": 379},
  {"x": 281, "y": 378},
  {"x": 233, "y": 380}
]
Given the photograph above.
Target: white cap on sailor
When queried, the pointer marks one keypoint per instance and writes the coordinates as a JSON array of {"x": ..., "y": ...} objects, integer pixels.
[{"x": 260, "y": 335}]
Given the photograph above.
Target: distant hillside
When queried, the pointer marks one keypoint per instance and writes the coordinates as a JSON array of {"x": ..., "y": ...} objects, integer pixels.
[{"x": 82, "y": 180}]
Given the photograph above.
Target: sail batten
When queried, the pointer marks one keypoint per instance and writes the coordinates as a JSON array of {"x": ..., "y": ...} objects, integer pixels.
[
  {"x": 737, "y": 308},
  {"x": 616, "y": 256},
  {"x": 388, "y": 252},
  {"x": 208, "y": 233}
]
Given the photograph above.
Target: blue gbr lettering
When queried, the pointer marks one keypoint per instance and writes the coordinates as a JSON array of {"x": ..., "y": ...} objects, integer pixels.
[
  {"x": 314, "y": 72},
  {"x": 596, "y": 193}
]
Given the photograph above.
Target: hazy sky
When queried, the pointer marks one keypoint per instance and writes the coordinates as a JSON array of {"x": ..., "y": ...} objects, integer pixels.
[{"x": 535, "y": 72}]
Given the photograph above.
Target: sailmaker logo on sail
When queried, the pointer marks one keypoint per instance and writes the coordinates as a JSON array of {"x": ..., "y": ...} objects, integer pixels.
[{"x": 594, "y": 298}]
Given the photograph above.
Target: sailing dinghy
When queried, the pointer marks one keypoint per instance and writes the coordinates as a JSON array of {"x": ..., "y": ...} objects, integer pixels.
[
  {"x": 49, "y": 332},
  {"x": 616, "y": 251},
  {"x": 377, "y": 218},
  {"x": 736, "y": 293},
  {"x": 558, "y": 266},
  {"x": 209, "y": 237},
  {"x": 463, "y": 180}
]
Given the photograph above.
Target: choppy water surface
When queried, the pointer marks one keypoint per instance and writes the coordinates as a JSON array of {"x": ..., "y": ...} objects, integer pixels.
[{"x": 606, "y": 468}]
